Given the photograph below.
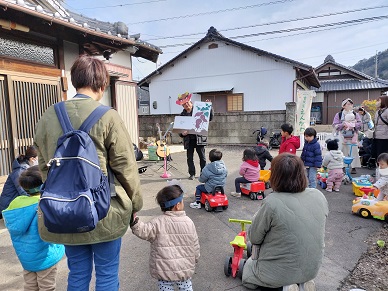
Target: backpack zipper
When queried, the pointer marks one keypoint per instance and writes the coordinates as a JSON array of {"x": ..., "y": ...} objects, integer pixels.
[
  {"x": 68, "y": 200},
  {"x": 58, "y": 161}
]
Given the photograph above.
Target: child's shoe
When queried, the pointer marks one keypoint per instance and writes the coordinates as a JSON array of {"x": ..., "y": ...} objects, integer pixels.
[
  {"x": 336, "y": 190},
  {"x": 308, "y": 286},
  {"x": 293, "y": 287},
  {"x": 235, "y": 194},
  {"x": 196, "y": 205},
  {"x": 329, "y": 190}
]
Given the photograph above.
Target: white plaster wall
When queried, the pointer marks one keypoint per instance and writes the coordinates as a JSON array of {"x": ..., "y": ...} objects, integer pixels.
[
  {"x": 265, "y": 83},
  {"x": 71, "y": 52},
  {"x": 121, "y": 58}
]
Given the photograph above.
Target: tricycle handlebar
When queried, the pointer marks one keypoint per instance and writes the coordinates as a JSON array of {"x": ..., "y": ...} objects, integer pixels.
[{"x": 243, "y": 222}]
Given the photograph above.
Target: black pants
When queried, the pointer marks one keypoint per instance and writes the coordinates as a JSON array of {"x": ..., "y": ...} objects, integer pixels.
[{"x": 190, "y": 156}]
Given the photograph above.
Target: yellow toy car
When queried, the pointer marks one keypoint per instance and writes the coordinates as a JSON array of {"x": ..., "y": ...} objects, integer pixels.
[{"x": 370, "y": 207}]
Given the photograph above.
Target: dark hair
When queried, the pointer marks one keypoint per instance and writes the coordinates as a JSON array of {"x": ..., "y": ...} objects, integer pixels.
[
  {"x": 382, "y": 158},
  {"x": 166, "y": 194},
  {"x": 250, "y": 154},
  {"x": 361, "y": 109},
  {"x": 286, "y": 127},
  {"x": 30, "y": 178},
  {"x": 384, "y": 101},
  {"x": 215, "y": 155},
  {"x": 31, "y": 152},
  {"x": 309, "y": 131},
  {"x": 88, "y": 72},
  {"x": 332, "y": 144},
  {"x": 288, "y": 174}
]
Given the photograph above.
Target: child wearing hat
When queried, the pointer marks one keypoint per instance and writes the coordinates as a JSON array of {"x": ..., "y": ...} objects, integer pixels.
[{"x": 38, "y": 258}]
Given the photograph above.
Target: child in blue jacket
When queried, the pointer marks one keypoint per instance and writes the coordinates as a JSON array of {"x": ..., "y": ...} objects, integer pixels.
[
  {"x": 38, "y": 258},
  {"x": 311, "y": 156},
  {"x": 213, "y": 174}
]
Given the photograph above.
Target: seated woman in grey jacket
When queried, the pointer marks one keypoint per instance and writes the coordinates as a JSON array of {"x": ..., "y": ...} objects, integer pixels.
[{"x": 289, "y": 230}]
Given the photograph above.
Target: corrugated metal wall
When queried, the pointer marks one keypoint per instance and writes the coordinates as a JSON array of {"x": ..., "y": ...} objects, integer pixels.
[
  {"x": 333, "y": 100},
  {"x": 126, "y": 102}
]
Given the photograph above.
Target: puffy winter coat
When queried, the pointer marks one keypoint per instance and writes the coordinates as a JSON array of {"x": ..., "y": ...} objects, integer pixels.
[
  {"x": 289, "y": 229},
  {"x": 289, "y": 145},
  {"x": 263, "y": 155},
  {"x": 213, "y": 174},
  {"x": 113, "y": 144},
  {"x": 174, "y": 245},
  {"x": 12, "y": 188},
  {"x": 333, "y": 160},
  {"x": 312, "y": 154},
  {"x": 200, "y": 139},
  {"x": 21, "y": 219}
]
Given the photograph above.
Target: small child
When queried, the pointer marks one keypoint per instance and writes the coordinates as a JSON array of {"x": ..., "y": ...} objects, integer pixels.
[
  {"x": 350, "y": 126},
  {"x": 333, "y": 161},
  {"x": 249, "y": 170},
  {"x": 263, "y": 154},
  {"x": 38, "y": 258},
  {"x": 382, "y": 176},
  {"x": 213, "y": 174},
  {"x": 174, "y": 241},
  {"x": 290, "y": 143},
  {"x": 311, "y": 156}
]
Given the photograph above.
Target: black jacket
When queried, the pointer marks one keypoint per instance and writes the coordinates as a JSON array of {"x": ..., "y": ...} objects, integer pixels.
[{"x": 263, "y": 155}]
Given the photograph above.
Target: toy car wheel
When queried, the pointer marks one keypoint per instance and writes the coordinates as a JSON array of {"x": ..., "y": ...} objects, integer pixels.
[
  {"x": 240, "y": 268},
  {"x": 364, "y": 213},
  {"x": 228, "y": 266},
  {"x": 225, "y": 207},
  {"x": 267, "y": 185},
  {"x": 386, "y": 217},
  {"x": 249, "y": 249},
  {"x": 253, "y": 195},
  {"x": 208, "y": 208},
  {"x": 324, "y": 185}
]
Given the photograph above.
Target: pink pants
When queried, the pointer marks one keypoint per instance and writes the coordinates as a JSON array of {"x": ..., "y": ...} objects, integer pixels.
[{"x": 334, "y": 178}]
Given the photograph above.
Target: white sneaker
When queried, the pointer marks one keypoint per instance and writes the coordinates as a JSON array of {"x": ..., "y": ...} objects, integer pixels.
[
  {"x": 329, "y": 190},
  {"x": 196, "y": 205},
  {"x": 235, "y": 194},
  {"x": 307, "y": 286},
  {"x": 336, "y": 190},
  {"x": 293, "y": 287}
]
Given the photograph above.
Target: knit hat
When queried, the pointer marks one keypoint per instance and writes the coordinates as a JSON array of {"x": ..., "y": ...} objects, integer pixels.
[
  {"x": 183, "y": 98},
  {"x": 345, "y": 101}
]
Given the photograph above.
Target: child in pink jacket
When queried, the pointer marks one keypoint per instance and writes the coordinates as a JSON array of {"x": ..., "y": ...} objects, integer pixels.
[
  {"x": 174, "y": 241},
  {"x": 249, "y": 170}
]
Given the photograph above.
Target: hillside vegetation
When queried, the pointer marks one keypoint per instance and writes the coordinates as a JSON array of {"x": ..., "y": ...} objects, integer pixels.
[{"x": 367, "y": 66}]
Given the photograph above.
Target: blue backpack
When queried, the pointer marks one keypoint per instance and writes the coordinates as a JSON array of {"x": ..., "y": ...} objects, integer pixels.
[{"x": 76, "y": 194}]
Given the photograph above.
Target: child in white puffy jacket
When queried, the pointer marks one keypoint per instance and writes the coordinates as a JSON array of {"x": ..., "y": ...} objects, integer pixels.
[
  {"x": 382, "y": 176},
  {"x": 333, "y": 161},
  {"x": 174, "y": 241}
]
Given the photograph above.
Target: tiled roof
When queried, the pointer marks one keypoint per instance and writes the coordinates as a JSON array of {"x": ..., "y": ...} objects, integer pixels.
[{"x": 351, "y": 84}]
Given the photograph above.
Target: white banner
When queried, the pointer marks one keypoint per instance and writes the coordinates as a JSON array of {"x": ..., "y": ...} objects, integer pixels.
[{"x": 304, "y": 99}]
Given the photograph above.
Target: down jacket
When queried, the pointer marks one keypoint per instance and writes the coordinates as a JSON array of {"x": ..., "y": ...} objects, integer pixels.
[
  {"x": 263, "y": 154},
  {"x": 312, "y": 154},
  {"x": 12, "y": 188},
  {"x": 114, "y": 146},
  {"x": 21, "y": 219},
  {"x": 174, "y": 245},
  {"x": 289, "y": 229},
  {"x": 213, "y": 174}
]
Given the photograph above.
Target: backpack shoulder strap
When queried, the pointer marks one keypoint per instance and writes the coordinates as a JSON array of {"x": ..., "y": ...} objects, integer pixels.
[
  {"x": 63, "y": 117},
  {"x": 94, "y": 117}
]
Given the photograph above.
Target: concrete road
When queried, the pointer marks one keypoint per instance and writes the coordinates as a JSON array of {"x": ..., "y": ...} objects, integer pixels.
[{"x": 345, "y": 234}]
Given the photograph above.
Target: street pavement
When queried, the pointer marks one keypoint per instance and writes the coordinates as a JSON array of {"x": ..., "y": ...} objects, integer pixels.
[{"x": 345, "y": 233}]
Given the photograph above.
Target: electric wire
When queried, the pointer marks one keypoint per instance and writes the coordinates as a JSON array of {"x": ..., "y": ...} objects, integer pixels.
[
  {"x": 213, "y": 12},
  {"x": 276, "y": 22},
  {"x": 121, "y": 5}
]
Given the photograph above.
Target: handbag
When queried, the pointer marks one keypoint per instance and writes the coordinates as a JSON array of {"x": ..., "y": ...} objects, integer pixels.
[{"x": 347, "y": 133}]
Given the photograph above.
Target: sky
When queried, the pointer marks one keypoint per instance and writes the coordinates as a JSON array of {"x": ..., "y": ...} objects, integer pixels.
[{"x": 163, "y": 22}]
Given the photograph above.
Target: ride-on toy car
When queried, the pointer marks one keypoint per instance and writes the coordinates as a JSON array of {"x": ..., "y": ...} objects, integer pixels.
[
  {"x": 254, "y": 190},
  {"x": 216, "y": 200},
  {"x": 234, "y": 265},
  {"x": 368, "y": 206}
]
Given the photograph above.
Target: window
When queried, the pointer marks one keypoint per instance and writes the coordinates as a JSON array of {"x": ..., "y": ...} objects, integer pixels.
[{"x": 235, "y": 103}]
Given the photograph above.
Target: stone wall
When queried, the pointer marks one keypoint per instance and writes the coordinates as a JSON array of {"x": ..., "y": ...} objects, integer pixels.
[{"x": 225, "y": 128}]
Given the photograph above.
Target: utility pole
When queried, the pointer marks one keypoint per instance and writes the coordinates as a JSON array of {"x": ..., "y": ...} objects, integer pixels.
[{"x": 376, "y": 58}]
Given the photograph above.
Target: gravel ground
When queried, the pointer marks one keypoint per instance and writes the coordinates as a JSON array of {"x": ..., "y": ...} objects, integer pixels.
[{"x": 370, "y": 273}]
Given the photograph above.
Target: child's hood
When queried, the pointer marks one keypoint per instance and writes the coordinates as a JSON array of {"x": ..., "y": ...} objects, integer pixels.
[
  {"x": 217, "y": 167},
  {"x": 337, "y": 155},
  {"x": 295, "y": 140},
  {"x": 20, "y": 214}
]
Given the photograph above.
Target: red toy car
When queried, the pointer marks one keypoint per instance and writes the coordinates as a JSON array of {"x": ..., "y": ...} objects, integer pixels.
[
  {"x": 255, "y": 190},
  {"x": 216, "y": 200}
]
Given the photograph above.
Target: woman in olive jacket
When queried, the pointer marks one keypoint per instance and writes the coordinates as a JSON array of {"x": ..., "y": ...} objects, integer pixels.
[{"x": 100, "y": 246}]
